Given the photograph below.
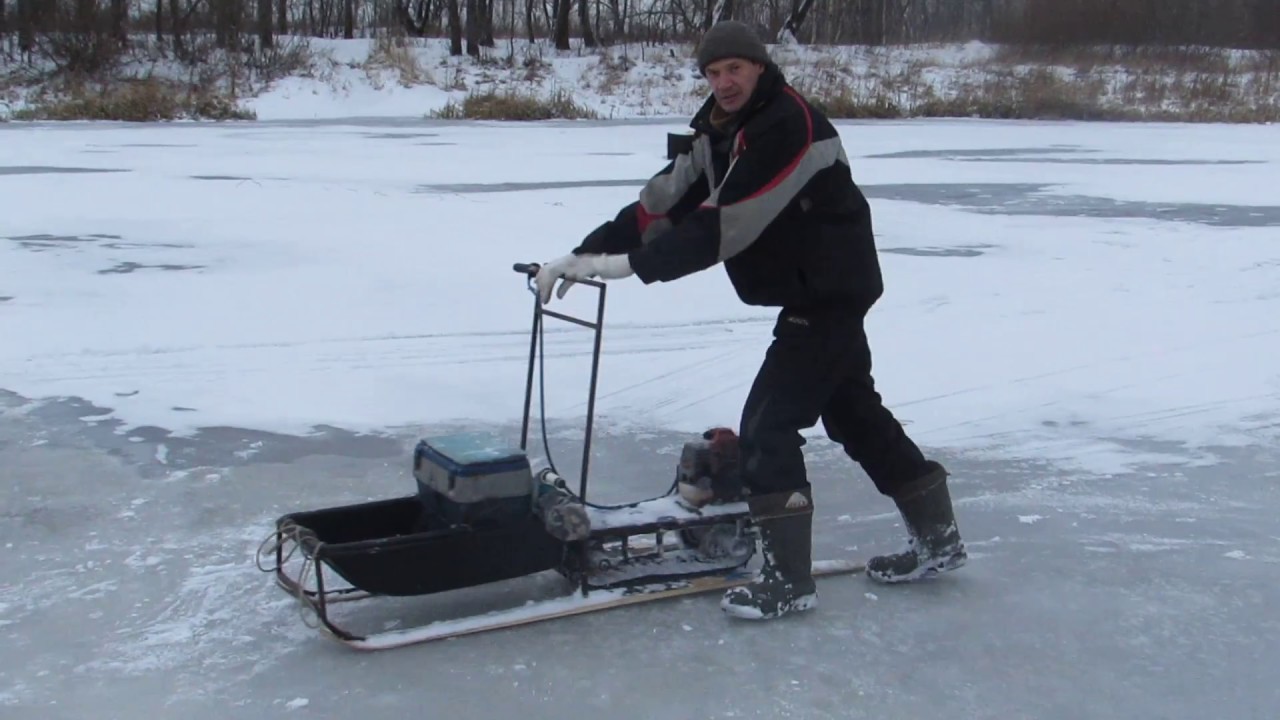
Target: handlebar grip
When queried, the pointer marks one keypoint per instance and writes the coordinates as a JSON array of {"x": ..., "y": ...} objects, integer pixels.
[{"x": 526, "y": 268}]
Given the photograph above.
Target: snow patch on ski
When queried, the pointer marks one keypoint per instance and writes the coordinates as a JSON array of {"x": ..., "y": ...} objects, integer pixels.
[{"x": 656, "y": 510}]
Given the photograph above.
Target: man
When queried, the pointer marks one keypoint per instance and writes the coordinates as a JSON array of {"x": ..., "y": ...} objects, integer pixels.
[{"x": 766, "y": 190}]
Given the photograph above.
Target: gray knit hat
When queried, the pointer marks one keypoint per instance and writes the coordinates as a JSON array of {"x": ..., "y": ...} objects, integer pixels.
[{"x": 727, "y": 39}]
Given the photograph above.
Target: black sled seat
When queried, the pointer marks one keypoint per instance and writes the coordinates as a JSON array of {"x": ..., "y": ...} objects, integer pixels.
[
  {"x": 378, "y": 547},
  {"x": 472, "y": 522}
]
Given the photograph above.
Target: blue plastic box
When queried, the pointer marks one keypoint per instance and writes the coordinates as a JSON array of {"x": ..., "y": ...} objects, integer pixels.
[{"x": 466, "y": 476}]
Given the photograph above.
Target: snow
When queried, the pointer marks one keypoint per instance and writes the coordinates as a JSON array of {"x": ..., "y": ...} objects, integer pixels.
[
  {"x": 413, "y": 77},
  {"x": 655, "y": 510},
  {"x": 336, "y": 278},
  {"x": 1084, "y": 344}
]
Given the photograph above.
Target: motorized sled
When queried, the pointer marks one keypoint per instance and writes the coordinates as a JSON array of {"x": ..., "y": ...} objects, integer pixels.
[{"x": 481, "y": 514}]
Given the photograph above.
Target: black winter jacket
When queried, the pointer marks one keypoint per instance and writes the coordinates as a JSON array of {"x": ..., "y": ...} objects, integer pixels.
[{"x": 773, "y": 199}]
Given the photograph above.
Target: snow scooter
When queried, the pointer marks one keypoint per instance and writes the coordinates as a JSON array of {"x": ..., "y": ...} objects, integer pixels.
[{"x": 481, "y": 515}]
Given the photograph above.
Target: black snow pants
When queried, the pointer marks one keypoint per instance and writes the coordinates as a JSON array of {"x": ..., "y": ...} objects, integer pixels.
[{"x": 819, "y": 368}]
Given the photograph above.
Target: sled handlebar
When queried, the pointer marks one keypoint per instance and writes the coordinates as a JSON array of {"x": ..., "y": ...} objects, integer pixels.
[{"x": 531, "y": 269}]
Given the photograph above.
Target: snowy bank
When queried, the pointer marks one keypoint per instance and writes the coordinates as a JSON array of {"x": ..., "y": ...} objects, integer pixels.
[{"x": 413, "y": 77}]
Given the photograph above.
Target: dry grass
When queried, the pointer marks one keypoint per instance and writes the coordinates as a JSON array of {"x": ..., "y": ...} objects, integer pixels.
[
  {"x": 393, "y": 52},
  {"x": 1041, "y": 94},
  {"x": 1140, "y": 58},
  {"x": 150, "y": 81},
  {"x": 611, "y": 72},
  {"x": 1058, "y": 83},
  {"x": 512, "y": 105},
  {"x": 146, "y": 100},
  {"x": 1168, "y": 83}
]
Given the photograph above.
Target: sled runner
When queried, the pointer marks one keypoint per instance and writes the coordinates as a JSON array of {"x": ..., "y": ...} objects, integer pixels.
[{"x": 481, "y": 515}]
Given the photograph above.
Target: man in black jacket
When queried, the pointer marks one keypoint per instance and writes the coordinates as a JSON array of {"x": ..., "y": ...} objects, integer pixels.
[{"x": 766, "y": 190}]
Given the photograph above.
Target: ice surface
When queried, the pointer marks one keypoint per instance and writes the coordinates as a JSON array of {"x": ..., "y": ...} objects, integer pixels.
[{"x": 184, "y": 359}]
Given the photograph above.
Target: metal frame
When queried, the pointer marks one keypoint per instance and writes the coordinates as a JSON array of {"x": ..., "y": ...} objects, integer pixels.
[
  {"x": 531, "y": 270},
  {"x": 313, "y": 560}
]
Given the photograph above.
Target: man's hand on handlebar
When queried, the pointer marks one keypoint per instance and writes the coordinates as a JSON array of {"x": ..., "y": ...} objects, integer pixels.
[{"x": 571, "y": 268}]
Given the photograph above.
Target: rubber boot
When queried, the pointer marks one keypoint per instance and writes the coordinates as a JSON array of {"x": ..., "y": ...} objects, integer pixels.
[
  {"x": 934, "y": 543},
  {"x": 785, "y": 582}
]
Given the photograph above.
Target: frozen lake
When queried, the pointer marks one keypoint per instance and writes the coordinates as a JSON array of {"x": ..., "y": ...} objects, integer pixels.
[{"x": 205, "y": 326}]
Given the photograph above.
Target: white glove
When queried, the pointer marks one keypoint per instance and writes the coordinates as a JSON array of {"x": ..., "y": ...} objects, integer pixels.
[{"x": 579, "y": 267}]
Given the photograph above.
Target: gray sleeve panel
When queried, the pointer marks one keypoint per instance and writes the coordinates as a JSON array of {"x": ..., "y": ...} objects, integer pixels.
[
  {"x": 743, "y": 221},
  {"x": 664, "y": 191}
]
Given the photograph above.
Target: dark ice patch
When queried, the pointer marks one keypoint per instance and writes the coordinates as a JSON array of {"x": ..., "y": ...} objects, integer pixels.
[
  {"x": 217, "y": 177},
  {"x": 124, "y": 268},
  {"x": 44, "y": 241},
  {"x": 976, "y": 152},
  {"x": 1031, "y": 199},
  {"x": 984, "y": 196},
  {"x": 230, "y": 446},
  {"x": 989, "y": 198},
  {"x": 1100, "y": 207},
  {"x": 466, "y": 188},
  {"x": 1111, "y": 161},
  {"x": 53, "y": 170},
  {"x": 958, "y": 251},
  {"x": 143, "y": 245},
  {"x": 50, "y": 519},
  {"x": 5, "y": 298},
  {"x": 76, "y": 421},
  {"x": 9, "y": 400},
  {"x": 399, "y": 136},
  {"x": 68, "y": 410},
  {"x": 1069, "y": 423},
  {"x": 1037, "y": 155}
]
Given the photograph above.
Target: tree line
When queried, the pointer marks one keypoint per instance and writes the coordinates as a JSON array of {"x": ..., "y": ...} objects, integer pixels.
[{"x": 80, "y": 33}]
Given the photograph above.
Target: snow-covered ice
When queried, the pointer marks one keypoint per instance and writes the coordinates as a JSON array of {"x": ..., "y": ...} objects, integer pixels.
[
  {"x": 203, "y": 326},
  {"x": 283, "y": 276}
]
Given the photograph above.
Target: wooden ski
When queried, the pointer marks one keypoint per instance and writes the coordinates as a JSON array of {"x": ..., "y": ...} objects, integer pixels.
[{"x": 575, "y": 604}]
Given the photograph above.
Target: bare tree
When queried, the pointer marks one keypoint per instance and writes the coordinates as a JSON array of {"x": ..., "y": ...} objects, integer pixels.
[
  {"x": 265, "y": 38},
  {"x": 455, "y": 28},
  {"x": 584, "y": 23},
  {"x": 88, "y": 33},
  {"x": 26, "y": 25},
  {"x": 562, "y": 24},
  {"x": 795, "y": 18}
]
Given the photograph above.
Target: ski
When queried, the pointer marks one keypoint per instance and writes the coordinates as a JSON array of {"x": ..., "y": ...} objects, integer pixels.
[{"x": 570, "y": 605}]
